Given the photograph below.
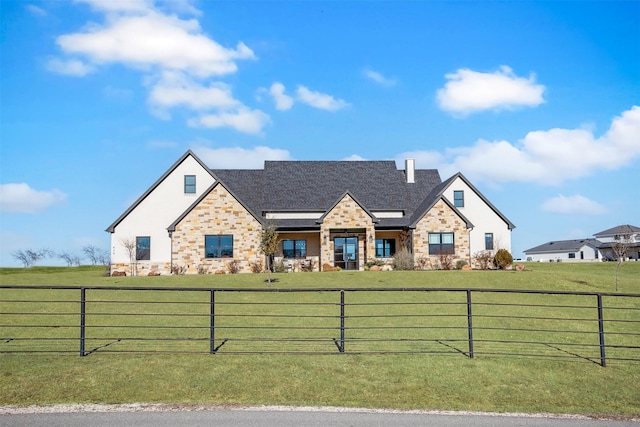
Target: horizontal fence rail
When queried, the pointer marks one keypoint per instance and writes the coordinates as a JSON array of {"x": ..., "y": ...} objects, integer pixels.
[{"x": 593, "y": 327}]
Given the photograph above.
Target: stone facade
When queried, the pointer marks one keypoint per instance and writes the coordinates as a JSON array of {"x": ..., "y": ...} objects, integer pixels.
[
  {"x": 441, "y": 219},
  {"x": 218, "y": 213},
  {"x": 348, "y": 215}
]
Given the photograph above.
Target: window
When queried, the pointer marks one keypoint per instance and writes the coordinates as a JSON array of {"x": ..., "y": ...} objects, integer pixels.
[
  {"x": 189, "y": 184},
  {"x": 458, "y": 199},
  {"x": 441, "y": 243},
  {"x": 488, "y": 241},
  {"x": 385, "y": 248},
  {"x": 218, "y": 246},
  {"x": 143, "y": 248},
  {"x": 572, "y": 255},
  {"x": 294, "y": 248}
]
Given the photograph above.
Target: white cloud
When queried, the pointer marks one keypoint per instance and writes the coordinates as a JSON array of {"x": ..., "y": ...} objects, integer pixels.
[
  {"x": 243, "y": 119},
  {"x": 283, "y": 101},
  {"x": 36, "y": 10},
  {"x": 69, "y": 67},
  {"x": 319, "y": 100},
  {"x": 573, "y": 205},
  {"x": 20, "y": 198},
  {"x": 175, "y": 88},
  {"x": 154, "y": 40},
  {"x": 239, "y": 158},
  {"x": 354, "y": 158},
  {"x": 378, "y": 78},
  {"x": 469, "y": 91},
  {"x": 547, "y": 157}
]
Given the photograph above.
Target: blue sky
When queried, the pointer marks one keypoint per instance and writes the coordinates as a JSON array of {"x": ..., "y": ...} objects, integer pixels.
[{"x": 537, "y": 103}]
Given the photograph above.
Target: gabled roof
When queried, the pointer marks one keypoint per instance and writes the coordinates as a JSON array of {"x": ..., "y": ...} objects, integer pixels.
[
  {"x": 347, "y": 193},
  {"x": 564, "y": 246},
  {"x": 619, "y": 230},
  {"x": 430, "y": 201},
  {"x": 189, "y": 153},
  {"x": 292, "y": 186},
  {"x": 173, "y": 225}
]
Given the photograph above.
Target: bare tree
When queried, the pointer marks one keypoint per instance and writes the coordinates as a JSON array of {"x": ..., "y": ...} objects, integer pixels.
[
  {"x": 91, "y": 252},
  {"x": 621, "y": 251},
  {"x": 29, "y": 257},
  {"x": 103, "y": 257},
  {"x": 129, "y": 245},
  {"x": 23, "y": 257},
  {"x": 269, "y": 245},
  {"x": 69, "y": 258}
]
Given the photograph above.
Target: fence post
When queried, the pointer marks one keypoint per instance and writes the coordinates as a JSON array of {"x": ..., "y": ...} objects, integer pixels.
[
  {"x": 342, "y": 321},
  {"x": 469, "y": 324},
  {"x": 212, "y": 313},
  {"x": 82, "y": 320},
  {"x": 603, "y": 360}
]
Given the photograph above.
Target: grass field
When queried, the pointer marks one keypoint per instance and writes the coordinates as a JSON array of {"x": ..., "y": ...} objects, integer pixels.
[{"x": 445, "y": 382}]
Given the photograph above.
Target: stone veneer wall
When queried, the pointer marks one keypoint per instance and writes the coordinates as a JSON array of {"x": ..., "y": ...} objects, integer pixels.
[
  {"x": 347, "y": 214},
  {"x": 218, "y": 213},
  {"x": 143, "y": 268},
  {"x": 441, "y": 219}
]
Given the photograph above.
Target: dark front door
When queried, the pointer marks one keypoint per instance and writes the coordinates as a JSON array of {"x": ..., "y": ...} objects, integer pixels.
[{"x": 345, "y": 253}]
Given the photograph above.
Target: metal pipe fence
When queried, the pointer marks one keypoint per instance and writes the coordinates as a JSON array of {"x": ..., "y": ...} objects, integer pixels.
[{"x": 596, "y": 327}]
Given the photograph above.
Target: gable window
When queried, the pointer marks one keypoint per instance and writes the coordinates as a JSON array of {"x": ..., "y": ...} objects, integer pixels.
[
  {"x": 143, "y": 248},
  {"x": 458, "y": 199},
  {"x": 441, "y": 243},
  {"x": 218, "y": 246},
  {"x": 385, "y": 248},
  {"x": 189, "y": 184},
  {"x": 488, "y": 241},
  {"x": 294, "y": 248}
]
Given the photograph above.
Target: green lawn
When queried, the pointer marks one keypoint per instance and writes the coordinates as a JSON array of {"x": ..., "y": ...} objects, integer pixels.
[{"x": 426, "y": 381}]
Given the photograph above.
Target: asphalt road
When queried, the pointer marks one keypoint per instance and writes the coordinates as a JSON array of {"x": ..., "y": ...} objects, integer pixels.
[{"x": 294, "y": 417}]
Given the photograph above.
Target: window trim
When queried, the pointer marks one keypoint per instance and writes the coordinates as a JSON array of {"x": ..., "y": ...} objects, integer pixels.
[
  {"x": 143, "y": 253},
  {"x": 458, "y": 198},
  {"x": 487, "y": 246},
  {"x": 392, "y": 247},
  {"x": 218, "y": 249},
  {"x": 297, "y": 252},
  {"x": 189, "y": 188},
  {"x": 441, "y": 248}
]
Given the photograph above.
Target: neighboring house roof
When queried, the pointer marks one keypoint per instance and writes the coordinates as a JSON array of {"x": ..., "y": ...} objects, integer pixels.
[
  {"x": 112, "y": 227},
  {"x": 619, "y": 230},
  {"x": 563, "y": 246}
]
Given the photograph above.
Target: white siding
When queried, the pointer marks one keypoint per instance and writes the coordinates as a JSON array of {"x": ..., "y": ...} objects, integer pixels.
[
  {"x": 158, "y": 210},
  {"x": 588, "y": 254},
  {"x": 483, "y": 218}
]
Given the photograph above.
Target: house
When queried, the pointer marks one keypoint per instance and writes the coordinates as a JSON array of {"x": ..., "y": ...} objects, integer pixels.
[
  {"x": 565, "y": 250},
  {"x": 628, "y": 235},
  {"x": 601, "y": 248},
  {"x": 337, "y": 213}
]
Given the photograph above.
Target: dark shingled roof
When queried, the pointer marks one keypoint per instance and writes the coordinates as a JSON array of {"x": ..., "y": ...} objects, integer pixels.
[
  {"x": 318, "y": 185},
  {"x": 619, "y": 230},
  {"x": 563, "y": 246}
]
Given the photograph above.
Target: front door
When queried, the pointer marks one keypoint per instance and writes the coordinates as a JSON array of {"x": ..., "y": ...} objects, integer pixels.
[{"x": 345, "y": 252}]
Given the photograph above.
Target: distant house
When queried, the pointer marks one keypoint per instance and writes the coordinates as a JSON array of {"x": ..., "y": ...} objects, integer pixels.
[
  {"x": 337, "y": 213},
  {"x": 623, "y": 233},
  {"x": 599, "y": 249},
  {"x": 565, "y": 250}
]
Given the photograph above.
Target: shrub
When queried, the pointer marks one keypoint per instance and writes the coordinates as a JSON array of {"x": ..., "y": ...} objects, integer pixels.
[
  {"x": 279, "y": 267},
  {"x": 256, "y": 266},
  {"x": 421, "y": 263},
  {"x": 203, "y": 269},
  {"x": 503, "y": 259},
  {"x": 446, "y": 261},
  {"x": 460, "y": 263},
  {"x": 373, "y": 261},
  {"x": 483, "y": 259},
  {"x": 403, "y": 260},
  {"x": 233, "y": 267}
]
